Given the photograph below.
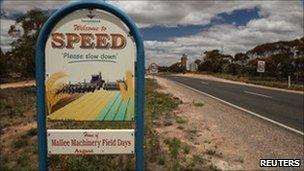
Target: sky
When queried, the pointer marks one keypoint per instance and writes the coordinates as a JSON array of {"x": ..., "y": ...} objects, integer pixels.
[{"x": 171, "y": 28}]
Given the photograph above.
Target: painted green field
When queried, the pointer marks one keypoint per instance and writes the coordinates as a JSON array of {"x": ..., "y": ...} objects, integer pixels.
[{"x": 100, "y": 106}]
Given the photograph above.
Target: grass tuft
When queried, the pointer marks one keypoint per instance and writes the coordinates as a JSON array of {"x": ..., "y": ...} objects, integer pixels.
[
  {"x": 186, "y": 149},
  {"x": 198, "y": 104},
  {"x": 180, "y": 120}
]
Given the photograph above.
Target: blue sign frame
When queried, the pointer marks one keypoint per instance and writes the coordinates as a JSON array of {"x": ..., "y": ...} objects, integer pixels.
[{"x": 40, "y": 76}]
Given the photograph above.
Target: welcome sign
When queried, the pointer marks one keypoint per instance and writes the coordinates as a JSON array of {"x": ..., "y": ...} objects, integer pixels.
[
  {"x": 90, "y": 67},
  {"x": 89, "y": 70}
]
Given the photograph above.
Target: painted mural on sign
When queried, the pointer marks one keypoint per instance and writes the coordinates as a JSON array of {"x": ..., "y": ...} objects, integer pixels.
[{"x": 89, "y": 68}]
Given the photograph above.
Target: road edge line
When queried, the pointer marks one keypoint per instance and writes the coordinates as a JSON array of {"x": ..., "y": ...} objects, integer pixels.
[
  {"x": 242, "y": 109},
  {"x": 257, "y": 94}
]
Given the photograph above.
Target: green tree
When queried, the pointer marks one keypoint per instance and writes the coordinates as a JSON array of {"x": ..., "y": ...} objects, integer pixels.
[
  {"x": 23, "y": 48},
  {"x": 198, "y": 62},
  {"x": 3, "y": 66},
  {"x": 214, "y": 61},
  {"x": 284, "y": 65},
  {"x": 1, "y": 53},
  {"x": 177, "y": 67},
  {"x": 240, "y": 58},
  {"x": 232, "y": 68},
  {"x": 163, "y": 69},
  {"x": 299, "y": 65}
]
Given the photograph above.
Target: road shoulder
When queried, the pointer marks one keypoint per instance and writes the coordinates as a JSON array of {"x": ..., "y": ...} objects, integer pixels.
[{"x": 213, "y": 78}]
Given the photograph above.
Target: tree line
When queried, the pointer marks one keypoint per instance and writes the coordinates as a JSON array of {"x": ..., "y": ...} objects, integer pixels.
[
  {"x": 282, "y": 59},
  {"x": 20, "y": 60}
]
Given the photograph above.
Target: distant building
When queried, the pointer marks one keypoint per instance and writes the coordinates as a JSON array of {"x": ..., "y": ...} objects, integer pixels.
[
  {"x": 193, "y": 66},
  {"x": 184, "y": 60}
]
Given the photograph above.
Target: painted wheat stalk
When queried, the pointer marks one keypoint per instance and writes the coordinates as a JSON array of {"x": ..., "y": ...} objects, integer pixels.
[{"x": 52, "y": 88}]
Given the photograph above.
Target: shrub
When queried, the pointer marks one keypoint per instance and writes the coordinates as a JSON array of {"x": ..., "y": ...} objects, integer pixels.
[
  {"x": 32, "y": 132},
  {"x": 21, "y": 143},
  {"x": 186, "y": 149},
  {"x": 180, "y": 120},
  {"x": 174, "y": 147}
]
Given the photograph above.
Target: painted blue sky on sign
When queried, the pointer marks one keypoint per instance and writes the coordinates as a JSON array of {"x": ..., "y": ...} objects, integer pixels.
[{"x": 173, "y": 28}]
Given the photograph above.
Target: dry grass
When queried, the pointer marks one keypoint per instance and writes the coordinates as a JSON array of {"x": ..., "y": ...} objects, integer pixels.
[
  {"x": 19, "y": 138},
  {"x": 269, "y": 82}
]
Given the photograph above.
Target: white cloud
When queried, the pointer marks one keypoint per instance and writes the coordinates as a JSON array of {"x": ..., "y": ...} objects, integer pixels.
[
  {"x": 12, "y": 6},
  {"x": 5, "y": 39},
  {"x": 172, "y": 13},
  {"x": 281, "y": 20}
]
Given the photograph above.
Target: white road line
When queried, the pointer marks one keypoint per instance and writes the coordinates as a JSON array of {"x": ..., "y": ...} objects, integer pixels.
[
  {"x": 204, "y": 83},
  {"x": 245, "y": 110},
  {"x": 257, "y": 94}
]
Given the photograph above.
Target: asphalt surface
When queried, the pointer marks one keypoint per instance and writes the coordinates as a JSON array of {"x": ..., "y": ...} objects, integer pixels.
[{"x": 284, "y": 107}]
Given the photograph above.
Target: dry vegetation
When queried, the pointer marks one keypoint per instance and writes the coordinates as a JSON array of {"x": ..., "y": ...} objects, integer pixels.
[
  {"x": 19, "y": 135},
  {"x": 177, "y": 142},
  {"x": 18, "y": 129},
  {"x": 162, "y": 152}
]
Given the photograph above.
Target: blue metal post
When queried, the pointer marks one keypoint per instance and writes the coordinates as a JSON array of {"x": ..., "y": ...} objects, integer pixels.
[
  {"x": 140, "y": 84},
  {"x": 41, "y": 119}
]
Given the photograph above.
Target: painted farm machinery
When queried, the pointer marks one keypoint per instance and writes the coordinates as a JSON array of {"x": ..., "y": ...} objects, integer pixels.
[{"x": 96, "y": 83}]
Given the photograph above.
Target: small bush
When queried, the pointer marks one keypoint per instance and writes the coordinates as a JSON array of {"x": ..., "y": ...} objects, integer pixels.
[
  {"x": 161, "y": 160},
  {"x": 198, "y": 104},
  {"x": 168, "y": 123},
  {"x": 167, "y": 141},
  {"x": 192, "y": 131},
  {"x": 196, "y": 159},
  {"x": 212, "y": 167},
  {"x": 174, "y": 147},
  {"x": 23, "y": 159},
  {"x": 32, "y": 132},
  {"x": 180, "y": 120},
  {"x": 180, "y": 127},
  {"x": 21, "y": 143},
  {"x": 210, "y": 152},
  {"x": 186, "y": 149},
  {"x": 207, "y": 141}
]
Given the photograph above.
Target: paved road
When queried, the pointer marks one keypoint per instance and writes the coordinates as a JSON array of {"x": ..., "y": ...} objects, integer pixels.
[{"x": 283, "y": 107}]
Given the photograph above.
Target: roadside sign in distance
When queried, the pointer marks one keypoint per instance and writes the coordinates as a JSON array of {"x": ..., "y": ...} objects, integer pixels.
[
  {"x": 153, "y": 68},
  {"x": 261, "y": 66}
]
